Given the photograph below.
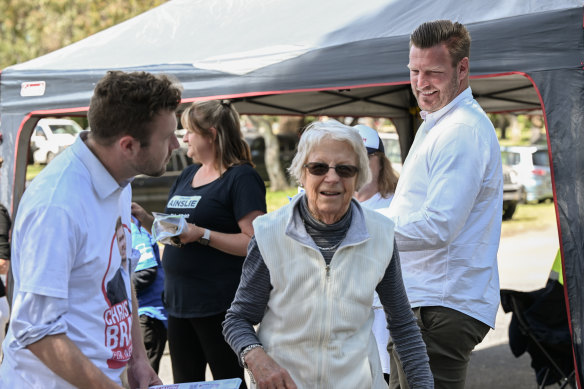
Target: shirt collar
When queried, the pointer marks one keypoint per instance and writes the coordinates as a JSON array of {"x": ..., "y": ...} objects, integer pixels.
[
  {"x": 103, "y": 182},
  {"x": 431, "y": 118}
]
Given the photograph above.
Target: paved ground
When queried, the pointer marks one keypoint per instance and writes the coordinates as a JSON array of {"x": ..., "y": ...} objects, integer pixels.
[{"x": 524, "y": 264}]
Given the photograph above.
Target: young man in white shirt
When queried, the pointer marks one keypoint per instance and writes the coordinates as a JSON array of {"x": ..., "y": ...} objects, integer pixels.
[
  {"x": 64, "y": 330},
  {"x": 447, "y": 207}
]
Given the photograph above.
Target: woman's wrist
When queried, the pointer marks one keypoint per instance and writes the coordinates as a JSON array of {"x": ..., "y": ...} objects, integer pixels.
[{"x": 193, "y": 233}]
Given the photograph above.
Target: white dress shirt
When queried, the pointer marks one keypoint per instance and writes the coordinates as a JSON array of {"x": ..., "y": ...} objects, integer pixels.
[{"x": 448, "y": 209}]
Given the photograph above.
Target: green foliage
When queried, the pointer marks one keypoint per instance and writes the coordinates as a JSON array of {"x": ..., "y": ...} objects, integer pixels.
[
  {"x": 519, "y": 129},
  {"x": 31, "y": 28}
]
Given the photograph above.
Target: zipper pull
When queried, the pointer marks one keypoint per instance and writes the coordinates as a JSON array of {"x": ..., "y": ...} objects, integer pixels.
[{"x": 328, "y": 271}]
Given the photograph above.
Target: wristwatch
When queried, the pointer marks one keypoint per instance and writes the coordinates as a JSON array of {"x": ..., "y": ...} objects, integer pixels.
[{"x": 205, "y": 238}]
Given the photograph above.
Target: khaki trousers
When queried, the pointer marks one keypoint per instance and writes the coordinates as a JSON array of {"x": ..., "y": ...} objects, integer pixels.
[{"x": 450, "y": 337}]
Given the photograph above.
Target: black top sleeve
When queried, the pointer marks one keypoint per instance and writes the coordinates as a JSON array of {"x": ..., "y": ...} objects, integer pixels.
[{"x": 5, "y": 224}]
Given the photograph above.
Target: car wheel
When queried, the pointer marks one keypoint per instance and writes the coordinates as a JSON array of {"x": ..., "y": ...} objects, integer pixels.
[
  {"x": 50, "y": 156},
  {"x": 509, "y": 210}
]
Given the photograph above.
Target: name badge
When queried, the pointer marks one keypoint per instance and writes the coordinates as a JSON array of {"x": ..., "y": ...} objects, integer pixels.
[{"x": 183, "y": 202}]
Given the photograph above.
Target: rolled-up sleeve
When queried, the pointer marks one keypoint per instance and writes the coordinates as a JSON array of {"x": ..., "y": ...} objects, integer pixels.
[
  {"x": 42, "y": 268},
  {"x": 36, "y": 316}
]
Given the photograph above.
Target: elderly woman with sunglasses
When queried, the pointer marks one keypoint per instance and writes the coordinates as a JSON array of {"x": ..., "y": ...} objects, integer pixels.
[{"x": 309, "y": 278}]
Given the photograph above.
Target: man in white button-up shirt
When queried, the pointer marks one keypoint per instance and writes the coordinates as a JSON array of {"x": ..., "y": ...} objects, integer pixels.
[{"x": 447, "y": 207}]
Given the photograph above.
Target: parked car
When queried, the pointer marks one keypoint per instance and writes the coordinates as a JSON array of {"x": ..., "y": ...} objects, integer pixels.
[
  {"x": 513, "y": 192},
  {"x": 392, "y": 149},
  {"x": 287, "y": 142},
  {"x": 152, "y": 192},
  {"x": 51, "y": 136},
  {"x": 533, "y": 170}
]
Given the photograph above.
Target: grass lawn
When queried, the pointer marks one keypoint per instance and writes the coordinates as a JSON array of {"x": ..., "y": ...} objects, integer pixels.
[
  {"x": 32, "y": 170},
  {"x": 275, "y": 200},
  {"x": 529, "y": 217}
]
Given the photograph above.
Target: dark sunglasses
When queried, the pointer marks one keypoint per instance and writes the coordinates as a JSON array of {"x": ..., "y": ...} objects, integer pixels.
[{"x": 320, "y": 169}]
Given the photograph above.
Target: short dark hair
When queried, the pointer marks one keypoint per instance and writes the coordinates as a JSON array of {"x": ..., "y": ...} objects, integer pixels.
[
  {"x": 453, "y": 34},
  {"x": 119, "y": 223},
  {"x": 125, "y": 103}
]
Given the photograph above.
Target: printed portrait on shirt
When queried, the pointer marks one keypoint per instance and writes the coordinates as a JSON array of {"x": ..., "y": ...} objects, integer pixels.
[
  {"x": 116, "y": 287},
  {"x": 118, "y": 316}
]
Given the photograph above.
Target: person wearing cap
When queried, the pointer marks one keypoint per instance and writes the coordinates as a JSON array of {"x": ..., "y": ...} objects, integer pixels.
[
  {"x": 447, "y": 207},
  {"x": 377, "y": 194}
]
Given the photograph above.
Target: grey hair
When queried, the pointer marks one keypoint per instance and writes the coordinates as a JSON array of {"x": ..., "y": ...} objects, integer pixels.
[{"x": 318, "y": 131}]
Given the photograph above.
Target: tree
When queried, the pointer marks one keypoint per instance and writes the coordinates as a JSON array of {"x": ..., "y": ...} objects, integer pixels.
[
  {"x": 272, "y": 152},
  {"x": 31, "y": 28},
  {"x": 501, "y": 122}
]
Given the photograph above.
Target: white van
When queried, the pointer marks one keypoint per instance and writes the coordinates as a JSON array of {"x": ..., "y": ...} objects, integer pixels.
[{"x": 51, "y": 136}]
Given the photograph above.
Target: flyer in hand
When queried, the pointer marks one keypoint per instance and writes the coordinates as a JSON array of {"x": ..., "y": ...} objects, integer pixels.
[{"x": 232, "y": 383}]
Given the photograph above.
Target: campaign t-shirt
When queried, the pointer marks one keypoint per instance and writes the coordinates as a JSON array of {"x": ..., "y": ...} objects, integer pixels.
[
  {"x": 200, "y": 280},
  {"x": 72, "y": 246}
]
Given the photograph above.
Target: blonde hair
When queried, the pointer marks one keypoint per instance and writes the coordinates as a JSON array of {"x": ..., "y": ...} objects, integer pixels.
[
  {"x": 231, "y": 148},
  {"x": 387, "y": 181}
]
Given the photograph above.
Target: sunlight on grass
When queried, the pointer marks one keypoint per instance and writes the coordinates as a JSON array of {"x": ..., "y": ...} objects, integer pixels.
[
  {"x": 32, "y": 171},
  {"x": 530, "y": 217},
  {"x": 275, "y": 200}
]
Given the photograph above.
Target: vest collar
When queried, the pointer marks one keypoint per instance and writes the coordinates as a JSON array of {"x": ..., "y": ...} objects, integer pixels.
[{"x": 295, "y": 229}]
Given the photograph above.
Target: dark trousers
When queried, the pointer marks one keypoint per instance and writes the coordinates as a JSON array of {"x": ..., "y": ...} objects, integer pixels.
[
  {"x": 450, "y": 337},
  {"x": 196, "y": 342},
  {"x": 154, "y": 334}
]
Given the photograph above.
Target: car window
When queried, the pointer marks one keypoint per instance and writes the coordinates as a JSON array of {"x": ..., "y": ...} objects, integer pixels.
[
  {"x": 510, "y": 158},
  {"x": 39, "y": 132},
  {"x": 541, "y": 158},
  {"x": 64, "y": 129}
]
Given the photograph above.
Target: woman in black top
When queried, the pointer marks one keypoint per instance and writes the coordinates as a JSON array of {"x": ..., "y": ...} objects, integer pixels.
[{"x": 220, "y": 195}]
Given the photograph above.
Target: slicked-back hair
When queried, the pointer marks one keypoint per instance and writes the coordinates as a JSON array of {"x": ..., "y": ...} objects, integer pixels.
[
  {"x": 126, "y": 103},
  {"x": 231, "y": 149},
  {"x": 453, "y": 34}
]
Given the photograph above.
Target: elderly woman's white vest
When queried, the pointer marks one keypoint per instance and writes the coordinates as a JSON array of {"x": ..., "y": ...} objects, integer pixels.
[{"x": 318, "y": 320}]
